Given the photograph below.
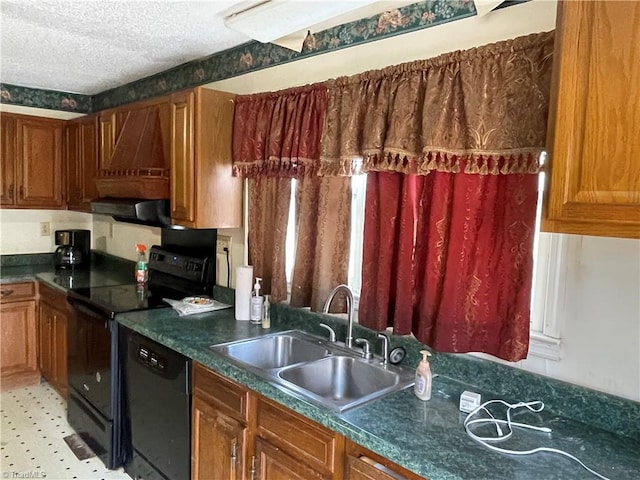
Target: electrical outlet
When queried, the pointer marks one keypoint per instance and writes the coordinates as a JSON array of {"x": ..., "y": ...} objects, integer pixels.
[
  {"x": 223, "y": 242},
  {"x": 45, "y": 229}
]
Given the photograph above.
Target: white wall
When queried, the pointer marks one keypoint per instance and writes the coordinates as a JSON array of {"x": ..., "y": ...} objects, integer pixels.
[
  {"x": 600, "y": 328},
  {"x": 20, "y": 229}
]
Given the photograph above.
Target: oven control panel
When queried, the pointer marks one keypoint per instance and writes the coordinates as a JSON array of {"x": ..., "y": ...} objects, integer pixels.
[{"x": 151, "y": 359}]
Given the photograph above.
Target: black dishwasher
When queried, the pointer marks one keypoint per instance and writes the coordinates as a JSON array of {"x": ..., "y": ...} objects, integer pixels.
[{"x": 157, "y": 409}]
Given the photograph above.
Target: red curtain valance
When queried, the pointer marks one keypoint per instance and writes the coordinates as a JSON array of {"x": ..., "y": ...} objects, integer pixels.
[{"x": 278, "y": 134}]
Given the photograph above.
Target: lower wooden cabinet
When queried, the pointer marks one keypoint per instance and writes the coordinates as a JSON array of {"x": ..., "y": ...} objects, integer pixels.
[
  {"x": 363, "y": 464},
  {"x": 52, "y": 337},
  {"x": 273, "y": 463},
  {"x": 219, "y": 444},
  {"x": 18, "y": 359},
  {"x": 239, "y": 434}
]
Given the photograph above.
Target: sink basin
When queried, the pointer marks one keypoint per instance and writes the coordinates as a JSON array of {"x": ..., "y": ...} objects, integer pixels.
[
  {"x": 274, "y": 351},
  {"x": 310, "y": 367},
  {"x": 341, "y": 382}
]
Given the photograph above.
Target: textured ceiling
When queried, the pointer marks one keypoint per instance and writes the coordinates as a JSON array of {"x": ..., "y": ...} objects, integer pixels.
[
  {"x": 87, "y": 46},
  {"x": 90, "y": 46}
]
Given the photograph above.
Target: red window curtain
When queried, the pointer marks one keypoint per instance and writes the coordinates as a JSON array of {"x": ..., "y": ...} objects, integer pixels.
[
  {"x": 448, "y": 257},
  {"x": 451, "y": 145},
  {"x": 276, "y": 138}
]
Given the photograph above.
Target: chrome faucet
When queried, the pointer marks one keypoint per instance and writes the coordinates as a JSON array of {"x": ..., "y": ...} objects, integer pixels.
[{"x": 350, "y": 306}]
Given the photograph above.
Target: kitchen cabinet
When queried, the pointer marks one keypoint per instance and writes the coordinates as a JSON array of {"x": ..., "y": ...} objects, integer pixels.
[
  {"x": 81, "y": 152},
  {"x": 18, "y": 361},
  {"x": 240, "y": 434},
  {"x": 363, "y": 464},
  {"x": 31, "y": 162},
  {"x": 593, "y": 141},
  {"x": 273, "y": 463},
  {"x": 133, "y": 151},
  {"x": 52, "y": 338},
  {"x": 204, "y": 192},
  {"x": 291, "y": 442},
  {"x": 219, "y": 434}
]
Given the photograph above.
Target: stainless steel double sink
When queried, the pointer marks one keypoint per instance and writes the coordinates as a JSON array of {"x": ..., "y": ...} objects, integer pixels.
[{"x": 315, "y": 369}]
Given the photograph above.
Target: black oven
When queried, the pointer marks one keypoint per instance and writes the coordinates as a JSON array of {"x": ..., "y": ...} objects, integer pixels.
[
  {"x": 95, "y": 396},
  {"x": 93, "y": 375}
]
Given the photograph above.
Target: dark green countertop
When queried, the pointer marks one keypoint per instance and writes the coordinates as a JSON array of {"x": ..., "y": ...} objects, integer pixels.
[
  {"x": 426, "y": 437},
  {"x": 104, "y": 270}
]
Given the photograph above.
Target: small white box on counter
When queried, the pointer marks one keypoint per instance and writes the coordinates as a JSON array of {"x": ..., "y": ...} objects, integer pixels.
[{"x": 469, "y": 401}]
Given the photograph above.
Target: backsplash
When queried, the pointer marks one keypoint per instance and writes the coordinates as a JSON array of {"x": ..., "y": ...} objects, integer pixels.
[
  {"x": 249, "y": 57},
  {"x": 602, "y": 410}
]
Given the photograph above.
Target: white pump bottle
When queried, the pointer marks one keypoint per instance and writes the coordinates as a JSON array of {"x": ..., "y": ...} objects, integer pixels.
[{"x": 256, "y": 303}]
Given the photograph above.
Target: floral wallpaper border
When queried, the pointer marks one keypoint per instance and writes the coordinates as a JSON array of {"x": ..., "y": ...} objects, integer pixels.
[
  {"x": 249, "y": 57},
  {"x": 49, "y": 99}
]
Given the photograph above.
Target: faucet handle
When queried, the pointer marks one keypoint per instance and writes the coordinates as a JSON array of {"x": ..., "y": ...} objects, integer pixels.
[
  {"x": 366, "y": 347},
  {"x": 332, "y": 332},
  {"x": 385, "y": 346}
]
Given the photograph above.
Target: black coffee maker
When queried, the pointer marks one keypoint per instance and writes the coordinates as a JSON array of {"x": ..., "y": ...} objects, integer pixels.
[{"x": 74, "y": 248}]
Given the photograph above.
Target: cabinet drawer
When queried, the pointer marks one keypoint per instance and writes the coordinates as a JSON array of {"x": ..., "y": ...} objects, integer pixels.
[
  {"x": 228, "y": 396},
  {"x": 300, "y": 437},
  {"x": 52, "y": 297},
  {"x": 15, "y": 292}
]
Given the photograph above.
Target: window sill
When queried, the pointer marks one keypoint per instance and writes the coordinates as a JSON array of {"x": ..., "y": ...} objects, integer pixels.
[{"x": 542, "y": 346}]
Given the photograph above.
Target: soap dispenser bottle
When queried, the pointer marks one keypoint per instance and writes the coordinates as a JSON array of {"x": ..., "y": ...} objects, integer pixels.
[
  {"x": 422, "y": 388},
  {"x": 256, "y": 303}
]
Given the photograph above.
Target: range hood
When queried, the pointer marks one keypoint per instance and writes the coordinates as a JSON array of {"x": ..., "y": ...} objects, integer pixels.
[{"x": 154, "y": 213}]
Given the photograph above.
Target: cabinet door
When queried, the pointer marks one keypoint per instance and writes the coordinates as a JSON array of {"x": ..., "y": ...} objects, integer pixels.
[
  {"x": 7, "y": 159},
  {"x": 182, "y": 157},
  {"x": 107, "y": 127},
  {"x": 274, "y": 464},
  {"x": 593, "y": 130},
  {"x": 18, "y": 362},
  {"x": 74, "y": 164},
  {"x": 39, "y": 163},
  {"x": 218, "y": 443},
  {"x": 81, "y": 150}
]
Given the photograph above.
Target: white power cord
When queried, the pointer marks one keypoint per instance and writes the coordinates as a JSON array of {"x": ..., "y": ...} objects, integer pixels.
[{"x": 536, "y": 406}]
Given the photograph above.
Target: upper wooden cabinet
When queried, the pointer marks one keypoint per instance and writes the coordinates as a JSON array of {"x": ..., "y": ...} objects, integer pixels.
[
  {"x": 204, "y": 193},
  {"x": 32, "y": 166},
  {"x": 594, "y": 122},
  {"x": 81, "y": 151},
  {"x": 134, "y": 150}
]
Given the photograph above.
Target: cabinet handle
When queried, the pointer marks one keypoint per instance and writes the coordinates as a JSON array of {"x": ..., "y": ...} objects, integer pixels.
[
  {"x": 253, "y": 467},
  {"x": 6, "y": 293},
  {"x": 234, "y": 457},
  {"x": 21, "y": 192},
  {"x": 10, "y": 191}
]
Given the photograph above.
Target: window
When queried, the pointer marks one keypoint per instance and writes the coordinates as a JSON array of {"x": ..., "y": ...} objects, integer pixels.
[
  {"x": 550, "y": 256},
  {"x": 550, "y": 262},
  {"x": 358, "y": 193}
]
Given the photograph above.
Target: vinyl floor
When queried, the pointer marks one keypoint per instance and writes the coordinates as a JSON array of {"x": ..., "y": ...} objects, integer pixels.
[{"x": 34, "y": 423}]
